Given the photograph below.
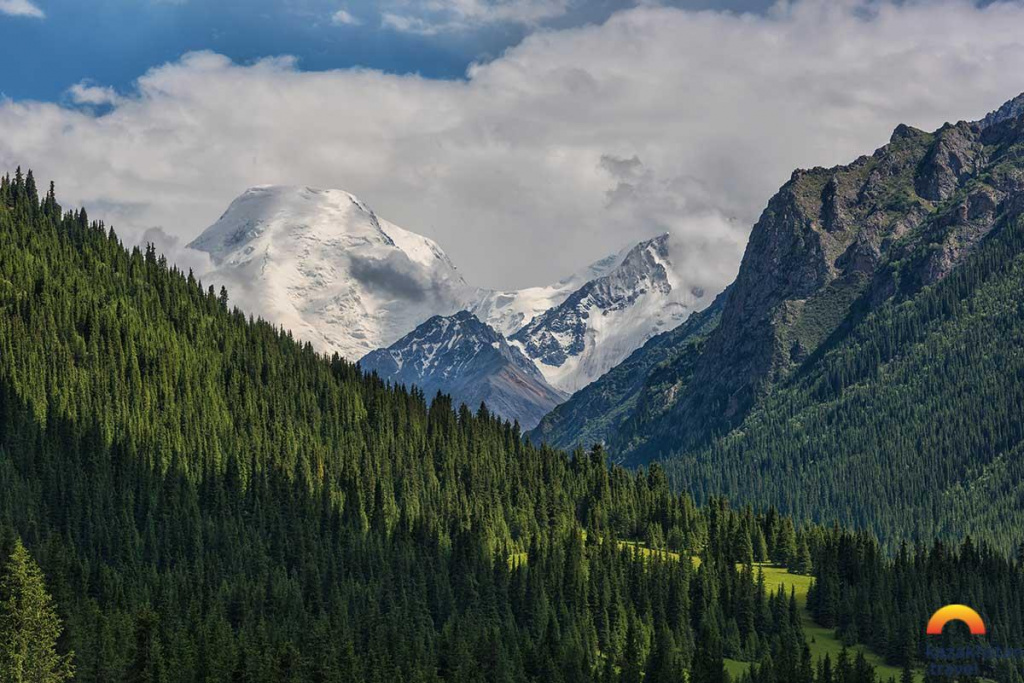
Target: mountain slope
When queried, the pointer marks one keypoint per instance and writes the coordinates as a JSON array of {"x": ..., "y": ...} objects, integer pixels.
[
  {"x": 606, "y": 319},
  {"x": 910, "y": 425},
  {"x": 854, "y": 373},
  {"x": 468, "y": 359},
  {"x": 322, "y": 264},
  {"x": 596, "y": 412},
  {"x": 832, "y": 244}
]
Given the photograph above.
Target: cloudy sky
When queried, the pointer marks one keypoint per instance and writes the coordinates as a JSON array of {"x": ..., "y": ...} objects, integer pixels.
[{"x": 526, "y": 137}]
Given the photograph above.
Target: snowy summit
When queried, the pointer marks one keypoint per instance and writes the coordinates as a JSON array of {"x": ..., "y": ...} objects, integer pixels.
[{"x": 322, "y": 264}]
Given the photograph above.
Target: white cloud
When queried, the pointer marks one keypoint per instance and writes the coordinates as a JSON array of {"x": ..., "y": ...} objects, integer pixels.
[
  {"x": 445, "y": 16},
  {"x": 408, "y": 24},
  {"x": 89, "y": 94},
  {"x": 562, "y": 150},
  {"x": 21, "y": 8},
  {"x": 344, "y": 18}
]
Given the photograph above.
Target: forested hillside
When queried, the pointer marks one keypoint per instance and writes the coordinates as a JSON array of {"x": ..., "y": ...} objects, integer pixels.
[
  {"x": 211, "y": 501},
  {"x": 867, "y": 366},
  {"x": 910, "y": 426}
]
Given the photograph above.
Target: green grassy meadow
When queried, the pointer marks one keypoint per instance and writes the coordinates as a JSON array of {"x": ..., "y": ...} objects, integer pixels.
[{"x": 822, "y": 640}]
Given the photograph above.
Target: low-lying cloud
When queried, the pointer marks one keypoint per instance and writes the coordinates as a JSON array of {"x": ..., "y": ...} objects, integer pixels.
[
  {"x": 396, "y": 276},
  {"x": 562, "y": 150}
]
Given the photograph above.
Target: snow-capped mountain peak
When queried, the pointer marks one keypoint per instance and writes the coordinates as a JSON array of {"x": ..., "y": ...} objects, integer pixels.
[
  {"x": 316, "y": 214},
  {"x": 508, "y": 311},
  {"x": 443, "y": 346},
  {"x": 322, "y": 263},
  {"x": 603, "y": 321}
]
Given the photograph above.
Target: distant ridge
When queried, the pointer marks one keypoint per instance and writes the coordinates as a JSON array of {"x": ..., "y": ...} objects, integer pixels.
[{"x": 468, "y": 359}]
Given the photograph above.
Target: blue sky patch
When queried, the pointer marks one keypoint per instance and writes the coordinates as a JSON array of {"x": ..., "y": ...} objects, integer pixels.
[{"x": 55, "y": 44}]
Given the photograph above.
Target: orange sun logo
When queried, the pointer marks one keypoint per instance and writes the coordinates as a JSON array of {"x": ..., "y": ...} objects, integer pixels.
[{"x": 956, "y": 613}]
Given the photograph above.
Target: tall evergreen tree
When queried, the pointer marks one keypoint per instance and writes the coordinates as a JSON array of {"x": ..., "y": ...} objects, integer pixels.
[
  {"x": 29, "y": 625},
  {"x": 708, "y": 662},
  {"x": 664, "y": 666},
  {"x": 146, "y": 666}
]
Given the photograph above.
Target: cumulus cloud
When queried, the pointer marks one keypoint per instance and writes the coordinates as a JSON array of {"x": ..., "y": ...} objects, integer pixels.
[
  {"x": 565, "y": 148},
  {"x": 21, "y": 8}
]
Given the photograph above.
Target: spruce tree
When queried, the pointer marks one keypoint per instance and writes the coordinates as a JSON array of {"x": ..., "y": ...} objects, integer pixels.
[
  {"x": 745, "y": 548},
  {"x": 760, "y": 545},
  {"x": 825, "y": 670},
  {"x": 708, "y": 665},
  {"x": 663, "y": 665},
  {"x": 31, "y": 190},
  {"x": 786, "y": 550},
  {"x": 146, "y": 664},
  {"x": 29, "y": 625},
  {"x": 804, "y": 564}
]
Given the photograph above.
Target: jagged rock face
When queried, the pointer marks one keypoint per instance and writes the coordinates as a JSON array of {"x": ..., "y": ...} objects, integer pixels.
[
  {"x": 608, "y": 318},
  {"x": 816, "y": 245},
  {"x": 466, "y": 358},
  {"x": 831, "y": 245},
  {"x": 1009, "y": 110},
  {"x": 956, "y": 155},
  {"x": 508, "y": 311},
  {"x": 991, "y": 190}
]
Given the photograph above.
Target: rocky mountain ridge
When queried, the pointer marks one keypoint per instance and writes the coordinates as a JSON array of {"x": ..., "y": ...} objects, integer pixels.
[
  {"x": 831, "y": 246},
  {"x": 466, "y": 358}
]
